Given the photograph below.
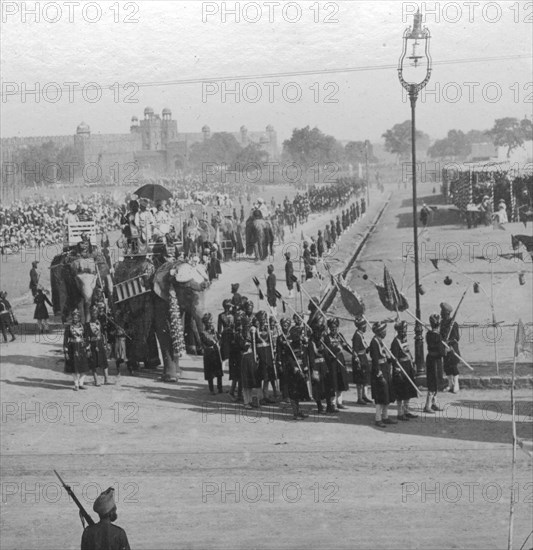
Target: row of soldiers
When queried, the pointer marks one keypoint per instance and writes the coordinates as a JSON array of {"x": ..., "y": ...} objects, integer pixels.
[{"x": 303, "y": 360}]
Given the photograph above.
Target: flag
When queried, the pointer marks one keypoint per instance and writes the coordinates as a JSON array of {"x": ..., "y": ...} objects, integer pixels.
[
  {"x": 351, "y": 300},
  {"x": 435, "y": 262},
  {"x": 391, "y": 298},
  {"x": 523, "y": 343}
]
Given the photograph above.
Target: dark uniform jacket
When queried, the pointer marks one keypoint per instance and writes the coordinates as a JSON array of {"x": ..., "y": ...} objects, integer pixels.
[{"x": 104, "y": 536}]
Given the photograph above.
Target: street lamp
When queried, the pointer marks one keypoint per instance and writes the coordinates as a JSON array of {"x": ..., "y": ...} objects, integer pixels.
[
  {"x": 414, "y": 71},
  {"x": 367, "y": 178}
]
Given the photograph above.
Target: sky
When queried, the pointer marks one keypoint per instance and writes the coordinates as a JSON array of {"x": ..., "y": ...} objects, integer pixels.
[{"x": 164, "y": 41}]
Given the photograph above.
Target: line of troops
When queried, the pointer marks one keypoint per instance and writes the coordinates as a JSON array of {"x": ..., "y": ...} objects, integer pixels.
[{"x": 303, "y": 360}]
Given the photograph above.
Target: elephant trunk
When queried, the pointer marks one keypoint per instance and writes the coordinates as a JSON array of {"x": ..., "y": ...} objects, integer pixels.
[{"x": 86, "y": 283}]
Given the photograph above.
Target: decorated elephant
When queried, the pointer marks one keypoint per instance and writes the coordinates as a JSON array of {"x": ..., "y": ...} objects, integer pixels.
[
  {"x": 259, "y": 236},
  {"x": 231, "y": 230},
  {"x": 175, "y": 292},
  {"x": 74, "y": 275},
  {"x": 195, "y": 236}
]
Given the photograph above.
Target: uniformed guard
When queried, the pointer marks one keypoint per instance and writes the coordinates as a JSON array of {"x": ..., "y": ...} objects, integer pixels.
[
  {"x": 450, "y": 335},
  {"x": 95, "y": 336},
  {"x": 361, "y": 368},
  {"x": 225, "y": 329},
  {"x": 212, "y": 357},
  {"x": 403, "y": 388},
  {"x": 337, "y": 370},
  {"x": 293, "y": 371},
  {"x": 321, "y": 382},
  {"x": 436, "y": 352},
  {"x": 105, "y": 535},
  {"x": 75, "y": 350},
  {"x": 265, "y": 355},
  {"x": 381, "y": 380}
]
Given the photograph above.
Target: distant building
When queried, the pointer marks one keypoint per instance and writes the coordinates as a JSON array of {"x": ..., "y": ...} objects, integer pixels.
[
  {"x": 483, "y": 152},
  {"x": 154, "y": 146}
]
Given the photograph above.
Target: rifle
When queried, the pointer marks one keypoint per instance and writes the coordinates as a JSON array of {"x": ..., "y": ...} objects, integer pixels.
[
  {"x": 84, "y": 516},
  {"x": 455, "y": 314}
]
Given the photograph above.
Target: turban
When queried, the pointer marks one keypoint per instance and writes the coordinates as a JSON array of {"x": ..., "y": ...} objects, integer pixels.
[{"x": 105, "y": 502}]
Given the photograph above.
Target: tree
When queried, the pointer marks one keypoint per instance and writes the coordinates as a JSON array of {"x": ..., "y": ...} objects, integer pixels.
[
  {"x": 354, "y": 152},
  {"x": 252, "y": 154},
  {"x": 307, "y": 147},
  {"x": 454, "y": 145},
  {"x": 510, "y": 132},
  {"x": 398, "y": 139},
  {"x": 220, "y": 149}
]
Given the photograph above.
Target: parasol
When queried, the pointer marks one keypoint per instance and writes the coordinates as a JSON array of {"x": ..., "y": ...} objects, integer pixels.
[{"x": 154, "y": 192}]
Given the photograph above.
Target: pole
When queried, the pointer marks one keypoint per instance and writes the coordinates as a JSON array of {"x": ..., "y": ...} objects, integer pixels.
[
  {"x": 513, "y": 465},
  {"x": 419, "y": 342},
  {"x": 367, "y": 178},
  {"x": 493, "y": 316}
]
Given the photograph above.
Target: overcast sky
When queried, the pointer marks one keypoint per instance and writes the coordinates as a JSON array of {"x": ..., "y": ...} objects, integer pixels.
[{"x": 178, "y": 40}]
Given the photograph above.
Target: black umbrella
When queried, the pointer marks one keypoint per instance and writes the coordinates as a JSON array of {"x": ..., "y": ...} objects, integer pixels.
[{"x": 154, "y": 192}]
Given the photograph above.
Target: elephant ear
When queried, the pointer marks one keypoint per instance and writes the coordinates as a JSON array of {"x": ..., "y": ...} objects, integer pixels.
[{"x": 183, "y": 273}]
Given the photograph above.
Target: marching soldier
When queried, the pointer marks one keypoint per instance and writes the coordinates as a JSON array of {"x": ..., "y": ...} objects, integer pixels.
[
  {"x": 382, "y": 390},
  {"x": 403, "y": 389},
  {"x": 436, "y": 351},
  {"x": 450, "y": 335},
  {"x": 335, "y": 360},
  {"x": 105, "y": 535},
  {"x": 212, "y": 357},
  {"x": 361, "y": 368}
]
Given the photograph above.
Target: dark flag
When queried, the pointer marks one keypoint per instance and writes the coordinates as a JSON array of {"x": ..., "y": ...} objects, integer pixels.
[
  {"x": 391, "y": 298},
  {"x": 351, "y": 300}
]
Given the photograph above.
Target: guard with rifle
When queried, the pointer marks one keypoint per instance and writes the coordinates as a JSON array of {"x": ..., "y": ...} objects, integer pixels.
[
  {"x": 449, "y": 330},
  {"x": 293, "y": 375},
  {"x": 403, "y": 387},
  {"x": 265, "y": 355},
  {"x": 381, "y": 380},
  {"x": 360, "y": 364},
  {"x": 437, "y": 349},
  {"x": 321, "y": 381},
  {"x": 105, "y": 535},
  {"x": 338, "y": 373}
]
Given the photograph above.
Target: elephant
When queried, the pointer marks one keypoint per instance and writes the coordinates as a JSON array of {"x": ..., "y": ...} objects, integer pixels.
[
  {"x": 148, "y": 316},
  {"x": 259, "y": 236},
  {"x": 195, "y": 236},
  {"x": 73, "y": 279}
]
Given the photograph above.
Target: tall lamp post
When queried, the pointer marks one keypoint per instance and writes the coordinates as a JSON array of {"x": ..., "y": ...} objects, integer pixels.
[
  {"x": 414, "y": 71},
  {"x": 367, "y": 178}
]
